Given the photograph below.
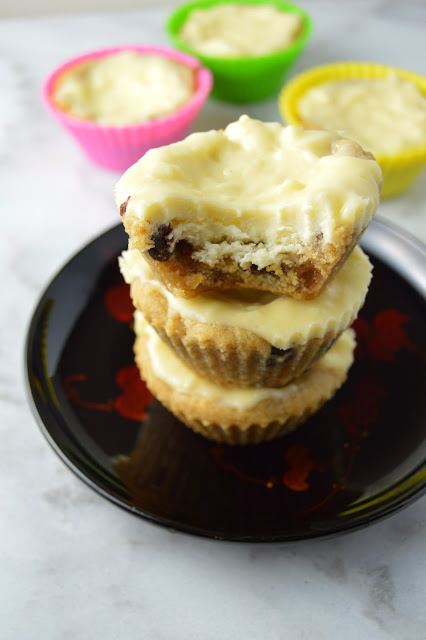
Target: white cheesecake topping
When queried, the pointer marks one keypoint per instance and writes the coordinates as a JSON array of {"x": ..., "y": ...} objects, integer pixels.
[
  {"x": 232, "y": 30},
  {"x": 125, "y": 88},
  {"x": 384, "y": 115}
]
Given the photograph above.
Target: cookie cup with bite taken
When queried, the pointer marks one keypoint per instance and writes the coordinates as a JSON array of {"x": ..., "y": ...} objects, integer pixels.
[{"x": 254, "y": 206}]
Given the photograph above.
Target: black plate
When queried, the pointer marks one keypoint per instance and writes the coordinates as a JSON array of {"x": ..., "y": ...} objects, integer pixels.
[{"x": 359, "y": 459}]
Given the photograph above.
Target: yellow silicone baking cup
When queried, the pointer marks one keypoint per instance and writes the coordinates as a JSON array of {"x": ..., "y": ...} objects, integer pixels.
[{"x": 399, "y": 170}]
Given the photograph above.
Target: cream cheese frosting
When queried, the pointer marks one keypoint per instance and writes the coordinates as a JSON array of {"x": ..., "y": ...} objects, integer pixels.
[
  {"x": 169, "y": 368},
  {"x": 125, "y": 88},
  {"x": 255, "y": 191},
  {"x": 233, "y": 30},
  {"x": 280, "y": 320},
  {"x": 384, "y": 115}
]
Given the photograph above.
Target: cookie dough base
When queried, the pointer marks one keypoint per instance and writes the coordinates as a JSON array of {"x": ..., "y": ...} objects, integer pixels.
[{"x": 300, "y": 274}]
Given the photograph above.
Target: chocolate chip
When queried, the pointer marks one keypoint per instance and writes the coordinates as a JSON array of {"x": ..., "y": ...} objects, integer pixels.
[
  {"x": 255, "y": 269},
  {"x": 161, "y": 249},
  {"x": 123, "y": 207},
  {"x": 279, "y": 356}
]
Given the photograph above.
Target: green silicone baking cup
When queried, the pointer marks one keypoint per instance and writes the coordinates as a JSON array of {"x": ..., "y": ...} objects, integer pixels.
[{"x": 244, "y": 79}]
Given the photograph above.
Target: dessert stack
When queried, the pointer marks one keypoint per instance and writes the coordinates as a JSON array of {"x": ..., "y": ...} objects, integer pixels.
[{"x": 246, "y": 274}]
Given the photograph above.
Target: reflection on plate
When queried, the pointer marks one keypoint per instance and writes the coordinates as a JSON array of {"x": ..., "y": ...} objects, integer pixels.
[{"x": 359, "y": 459}]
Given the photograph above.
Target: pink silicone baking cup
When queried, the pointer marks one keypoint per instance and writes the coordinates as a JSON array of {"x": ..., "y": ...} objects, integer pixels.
[{"x": 118, "y": 147}]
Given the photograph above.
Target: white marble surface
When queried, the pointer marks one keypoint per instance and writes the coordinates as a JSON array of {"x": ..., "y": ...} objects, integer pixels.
[
  {"x": 74, "y": 566},
  {"x": 26, "y": 8}
]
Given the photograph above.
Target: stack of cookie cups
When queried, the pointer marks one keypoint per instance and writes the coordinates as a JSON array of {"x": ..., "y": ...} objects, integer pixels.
[{"x": 244, "y": 367}]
